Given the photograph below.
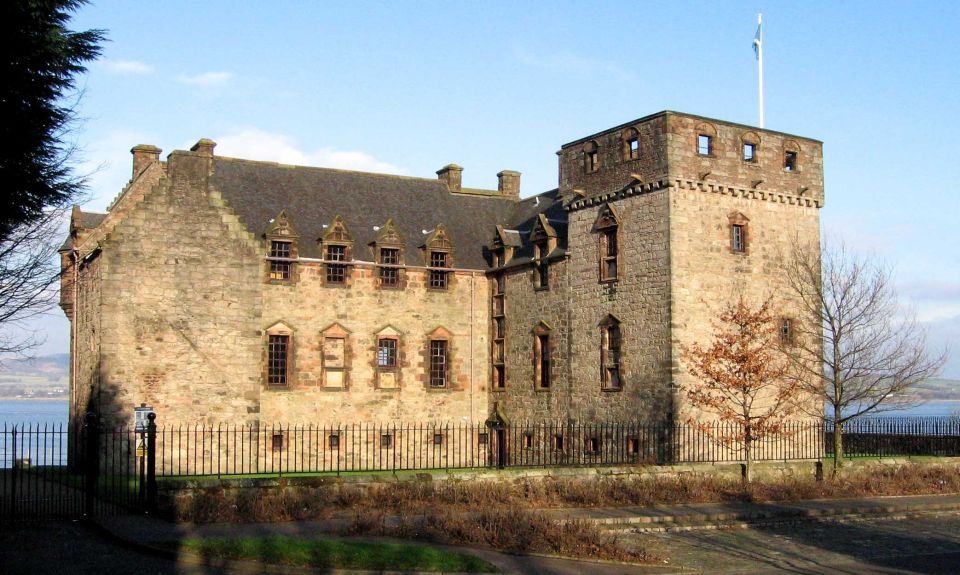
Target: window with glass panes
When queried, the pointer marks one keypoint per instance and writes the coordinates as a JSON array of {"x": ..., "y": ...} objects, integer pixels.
[
  {"x": 438, "y": 277},
  {"x": 389, "y": 276},
  {"x": 278, "y": 358},
  {"x": 438, "y": 363},
  {"x": 336, "y": 272},
  {"x": 280, "y": 270}
]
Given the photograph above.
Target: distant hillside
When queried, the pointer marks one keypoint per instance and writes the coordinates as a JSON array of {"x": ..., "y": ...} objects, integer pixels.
[
  {"x": 939, "y": 389},
  {"x": 44, "y": 376}
]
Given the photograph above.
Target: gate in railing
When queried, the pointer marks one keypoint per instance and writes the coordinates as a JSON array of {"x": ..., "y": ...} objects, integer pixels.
[{"x": 55, "y": 472}]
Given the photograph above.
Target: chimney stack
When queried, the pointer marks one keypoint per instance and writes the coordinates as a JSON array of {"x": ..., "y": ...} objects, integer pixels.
[
  {"x": 451, "y": 174},
  {"x": 204, "y": 147},
  {"x": 508, "y": 182},
  {"x": 143, "y": 156}
]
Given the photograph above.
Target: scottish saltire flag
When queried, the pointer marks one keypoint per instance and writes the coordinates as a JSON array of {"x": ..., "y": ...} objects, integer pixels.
[{"x": 757, "y": 41}]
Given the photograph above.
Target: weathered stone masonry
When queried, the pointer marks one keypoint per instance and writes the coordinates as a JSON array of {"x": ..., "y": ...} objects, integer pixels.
[{"x": 209, "y": 276}]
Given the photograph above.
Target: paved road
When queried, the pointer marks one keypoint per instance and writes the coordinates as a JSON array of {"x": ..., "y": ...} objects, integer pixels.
[{"x": 925, "y": 543}]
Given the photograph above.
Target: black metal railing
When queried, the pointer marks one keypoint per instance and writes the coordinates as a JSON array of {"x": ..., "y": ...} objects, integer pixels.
[
  {"x": 897, "y": 436},
  {"x": 57, "y": 471}
]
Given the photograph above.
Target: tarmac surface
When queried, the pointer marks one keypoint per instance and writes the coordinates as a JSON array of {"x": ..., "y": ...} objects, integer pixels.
[{"x": 886, "y": 535}]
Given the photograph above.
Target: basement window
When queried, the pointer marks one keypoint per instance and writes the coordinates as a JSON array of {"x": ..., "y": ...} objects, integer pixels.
[
  {"x": 333, "y": 441},
  {"x": 386, "y": 441},
  {"x": 276, "y": 442}
]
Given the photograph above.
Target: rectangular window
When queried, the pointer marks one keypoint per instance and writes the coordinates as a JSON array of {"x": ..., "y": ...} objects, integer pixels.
[
  {"x": 633, "y": 445},
  {"x": 438, "y": 363},
  {"x": 276, "y": 443},
  {"x": 789, "y": 161},
  {"x": 386, "y": 441},
  {"x": 528, "y": 440},
  {"x": 386, "y": 353},
  {"x": 592, "y": 445},
  {"x": 501, "y": 284},
  {"x": 611, "y": 357},
  {"x": 438, "y": 439},
  {"x": 543, "y": 361},
  {"x": 336, "y": 273},
  {"x": 749, "y": 152},
  {"x": 438, "y": 277},
  {"x": 499, "y": 377},
  {"x": 278, "y": 357},
  {"x": 592, "y": 161},
  {"x": 633, "y": 148},
  {"x": 333, "y": 441},
  {"x": 498, "y": 305},
  {"x": 608, "y": 255},
  {"x": 389, "y": 276},
  {"x": 498, "y": 258},
  {"x": 501, "y": 327},
  {"x": 786, "y": 330},
  {"x": 483, "y": 438},
  {"x": 541, "y": 272},
  {"x": 704, "y": 145},
  {"x": 558, "y": 442},
  {"x": 280, "y": 270},
  {"x": 738, "y": 238}
]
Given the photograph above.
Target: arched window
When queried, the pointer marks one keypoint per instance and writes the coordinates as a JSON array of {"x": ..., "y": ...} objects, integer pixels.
[
  {"x": 706, "y": 144},
  {"x": 591, "y": 157},
  {"x": 750, "y": 147},
  {"x": 631, "y": 144},
  {"x": 791, "y": 156}
]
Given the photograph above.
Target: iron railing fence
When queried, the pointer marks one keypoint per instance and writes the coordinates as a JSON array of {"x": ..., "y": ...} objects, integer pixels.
[
  {"x": 897, "y": 436},
  {"x": 196, "y": 450},
  {"x": 44, "y": 471}
]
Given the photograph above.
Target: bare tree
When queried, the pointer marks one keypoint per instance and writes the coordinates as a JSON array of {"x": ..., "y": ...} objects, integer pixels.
[
  {"x": 742, "y": 379},
  {"x": 859, "y": 350},
  {"x": 29, "y": 272}
]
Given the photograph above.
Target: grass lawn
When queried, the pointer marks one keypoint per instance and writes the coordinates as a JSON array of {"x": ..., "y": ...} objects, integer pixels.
[{"x": 337, "y": 554}]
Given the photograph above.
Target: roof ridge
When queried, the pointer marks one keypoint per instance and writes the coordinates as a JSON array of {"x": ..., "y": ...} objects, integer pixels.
[{"x": 326, "y": 169}]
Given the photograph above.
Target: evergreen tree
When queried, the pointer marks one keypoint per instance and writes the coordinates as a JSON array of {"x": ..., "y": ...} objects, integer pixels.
[{"x": 41, "y": 61}]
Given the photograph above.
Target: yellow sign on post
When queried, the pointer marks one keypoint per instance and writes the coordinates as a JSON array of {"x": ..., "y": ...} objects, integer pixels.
[{"x": 141, "y": 448}]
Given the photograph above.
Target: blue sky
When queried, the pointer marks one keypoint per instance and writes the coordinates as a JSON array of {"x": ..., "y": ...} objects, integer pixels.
[{"x": 407, "y": 87}]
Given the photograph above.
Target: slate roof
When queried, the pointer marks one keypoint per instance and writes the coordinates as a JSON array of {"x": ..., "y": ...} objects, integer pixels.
[
  {"x": 88, "y": 220},
  {"x": 312, "y": 197},
  {"x": 525, "y": 215}
]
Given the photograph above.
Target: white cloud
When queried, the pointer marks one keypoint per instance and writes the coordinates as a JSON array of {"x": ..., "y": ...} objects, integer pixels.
[
  {"x": 254, "y": 144},
  {"x": 128, "y": 67},
  {"x": 206, "y": 80}
]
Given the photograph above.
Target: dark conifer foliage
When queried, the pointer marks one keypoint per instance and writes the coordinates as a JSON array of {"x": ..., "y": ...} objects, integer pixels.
[{"x": 41, "y": 61}]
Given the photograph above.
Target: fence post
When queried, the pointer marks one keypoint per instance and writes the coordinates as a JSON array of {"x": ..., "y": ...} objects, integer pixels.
[
  {"x": 91, "y": 429},
  {"x": 151, "y": 462}
]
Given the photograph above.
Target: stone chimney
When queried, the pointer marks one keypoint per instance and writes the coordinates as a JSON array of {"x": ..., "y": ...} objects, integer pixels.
[
  {"x": 451, "y": 174},
  {"x": 204, "y": 147},
  {"x": 508, "y": 182},
  {"x": 143, "y": 156}
]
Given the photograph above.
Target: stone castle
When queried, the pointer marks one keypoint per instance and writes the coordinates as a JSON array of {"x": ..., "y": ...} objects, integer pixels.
[{"x": 226, "y": 290}]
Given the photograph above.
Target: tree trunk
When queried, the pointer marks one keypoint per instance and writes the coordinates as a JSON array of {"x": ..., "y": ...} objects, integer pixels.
[
  {"x": 748, "y": 456},
  {"x": 837, "y": 445}
]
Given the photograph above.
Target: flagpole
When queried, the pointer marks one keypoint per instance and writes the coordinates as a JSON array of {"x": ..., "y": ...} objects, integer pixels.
[{"x": 760, "y": 62}]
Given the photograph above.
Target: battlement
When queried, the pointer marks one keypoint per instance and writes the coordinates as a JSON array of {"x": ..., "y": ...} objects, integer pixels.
[{"x": 671, "y": 146}]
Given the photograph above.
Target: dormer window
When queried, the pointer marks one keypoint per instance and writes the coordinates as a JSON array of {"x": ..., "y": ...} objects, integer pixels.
[
  {"x": 337, "y": 248},
  {"x": 280, "y": 260},
  {"x": 438, "y": 255},
  {"x": 389, "y": 276},
  {"x": 541, "y": 272},
  {"x": 281, "y": 249},
  {"x": 336, "y": 272},
  {"x": 438, "y": 275}
]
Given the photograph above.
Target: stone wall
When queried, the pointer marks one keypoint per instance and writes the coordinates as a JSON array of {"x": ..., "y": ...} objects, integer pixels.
[
  {"x": 360, "y": 311},
  {"x": 527, "y": 308},
  {"x": 639, "y": 299},
  {"x": 180, "y": 315}
]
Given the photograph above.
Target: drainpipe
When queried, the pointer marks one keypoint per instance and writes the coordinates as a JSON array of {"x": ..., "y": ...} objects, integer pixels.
[
  {"x": 75, "y": 255},
  {"x": 473, "y": 283}
]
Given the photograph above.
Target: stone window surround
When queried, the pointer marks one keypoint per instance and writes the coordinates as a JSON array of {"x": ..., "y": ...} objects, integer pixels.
[
  {"x": 607, "y": 226},
  {"x": 631, "y": 144},
  {"x": 607, "y": 360},
  {"x": 498, "y": 373},
  {"x": 383, "y": 267},
  {"x": 279, "y": 329},
  {"x": 739, "y": 221},
  {"x": 705, "y": 134},
  {"x": 541, "y": 266},
  {"x": 791, "y": 157},
  {"x": 786, "y": 331},
  {"x": 542, "y": 358},
  {"x": 444, "y": 335},
  {"x": 388, "y": 334},
  {"x": 750, "y": 139},
  {"x": 330, "y": 334},
  {"x": 591, "y": 157}
]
